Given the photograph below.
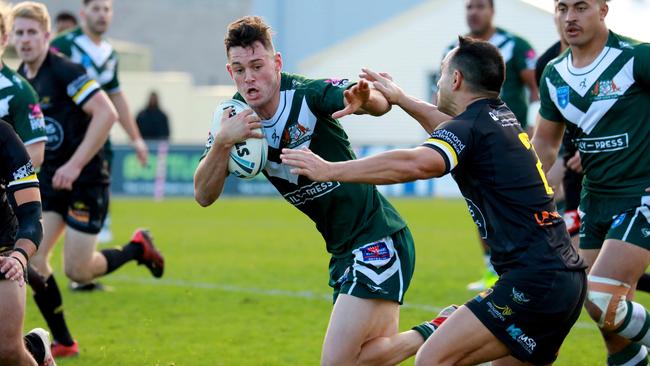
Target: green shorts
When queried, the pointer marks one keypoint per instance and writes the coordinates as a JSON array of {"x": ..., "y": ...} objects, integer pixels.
[
  {"x": 626, "y": 219},
  {"x": 379, "y": 270}
]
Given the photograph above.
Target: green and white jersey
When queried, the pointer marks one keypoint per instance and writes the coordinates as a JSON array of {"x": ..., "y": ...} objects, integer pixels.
[
  {"x": 100, "y": 61},
  {"x": 346, "y": 214},
  {"x": 606, "y": 107},
  {"x": 518, "y": 56},
  {"x": 19, "y": 107}
]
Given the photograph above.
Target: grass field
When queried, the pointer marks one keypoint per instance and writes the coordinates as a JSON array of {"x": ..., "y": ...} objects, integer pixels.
[{"x": 246, "y": 284}]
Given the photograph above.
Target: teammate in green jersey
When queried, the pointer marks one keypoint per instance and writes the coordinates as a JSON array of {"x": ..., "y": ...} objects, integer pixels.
[
  {"x": 18, "y": 100},
  {"x": 599, "y": 89},
  {"x": 372, "y": 249}
]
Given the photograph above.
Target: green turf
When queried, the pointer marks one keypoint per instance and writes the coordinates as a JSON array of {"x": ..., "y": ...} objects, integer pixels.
[{"x": 246, "y": 284}]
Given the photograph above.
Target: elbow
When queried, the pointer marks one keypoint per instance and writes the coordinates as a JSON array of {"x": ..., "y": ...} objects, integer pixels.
[{"x": 203, "y": 197}]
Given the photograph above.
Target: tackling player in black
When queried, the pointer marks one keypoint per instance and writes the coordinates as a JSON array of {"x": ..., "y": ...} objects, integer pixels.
[
  {"x": 74, "y": 176},
  {"x": 20, "y": 235},
  {"x": 542, "y": 284}
]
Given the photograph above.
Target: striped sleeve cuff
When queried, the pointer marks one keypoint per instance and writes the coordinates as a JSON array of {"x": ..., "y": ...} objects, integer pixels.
[
  {"x": 85, "y": 92},
  {"x": 30, "y": 179},
  {"x": 448, "y": 153}
]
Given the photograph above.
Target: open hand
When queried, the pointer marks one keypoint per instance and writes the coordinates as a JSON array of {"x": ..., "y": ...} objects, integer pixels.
[
  {"x": 355, "y": 98},
  {"x": 384, "y": 83},
  {"x": 308, "y": 164},
  {"x": 239, "y": 127},
  {"x": 13, "y": 269}
]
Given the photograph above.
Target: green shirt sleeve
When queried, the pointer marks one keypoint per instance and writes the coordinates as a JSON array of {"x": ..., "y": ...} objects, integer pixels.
[
  {"x": 524, "y": 57},
  {"x": 27, "y": 115},
  {"x": 326, "y": 95},
  {"x": 548, "y": 110},
  {"x": 642, "y": 65},
  {"x": 62, "y": 44}
]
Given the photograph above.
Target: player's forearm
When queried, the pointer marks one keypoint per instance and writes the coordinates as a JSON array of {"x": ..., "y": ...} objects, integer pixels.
[
  {"x": 425, "y": 113},
  {"x": 124, "y": 117},
  {"x": 96, "y": 136},
  {"x": 36, "y": 153},
  {"x": 377, "y": 105},
  {"x": 390, "y": 167},
  {"x": 546, "y": 152},
  {"x": 211, "y": 174}
]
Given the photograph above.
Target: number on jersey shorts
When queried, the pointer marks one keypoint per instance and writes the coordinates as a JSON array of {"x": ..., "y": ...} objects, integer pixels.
[
  {"x": 378, "y": 270},
  {"x": 626, "y": 219}
]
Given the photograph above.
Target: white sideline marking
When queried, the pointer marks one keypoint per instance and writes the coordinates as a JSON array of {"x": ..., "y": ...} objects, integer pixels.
[{"x": 310, "y": 295}]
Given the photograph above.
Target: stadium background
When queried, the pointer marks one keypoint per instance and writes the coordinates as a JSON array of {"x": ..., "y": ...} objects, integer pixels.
[{"x": 230, "y": 290}]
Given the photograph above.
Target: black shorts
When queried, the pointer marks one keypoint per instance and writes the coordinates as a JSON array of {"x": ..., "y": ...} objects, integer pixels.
[
  {"x": 531, "y": 312},
  {"x": 83, "y": 209}
]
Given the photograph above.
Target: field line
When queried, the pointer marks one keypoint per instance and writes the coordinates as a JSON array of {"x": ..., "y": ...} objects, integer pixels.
[{"x": 309, "y": 295}]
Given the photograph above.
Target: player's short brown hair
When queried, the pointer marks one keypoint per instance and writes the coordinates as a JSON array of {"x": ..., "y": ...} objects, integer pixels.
[
  {"x": 34, "y": 11},
  {"x": 245, "y": 31},
  {"x": 480, "y": 63}
]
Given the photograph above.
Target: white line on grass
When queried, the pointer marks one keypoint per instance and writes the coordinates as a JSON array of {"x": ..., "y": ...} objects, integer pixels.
[{"x": 272, "y": 292}]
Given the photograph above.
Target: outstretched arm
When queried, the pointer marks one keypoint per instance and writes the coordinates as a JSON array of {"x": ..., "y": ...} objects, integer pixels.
[
  {"x": 390, "y": 167},
  {"x": 425, "y": 113},
  {"x": 362, "y": 99}
]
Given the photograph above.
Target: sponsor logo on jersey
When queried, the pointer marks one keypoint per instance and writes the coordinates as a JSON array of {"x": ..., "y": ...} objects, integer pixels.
[
  {"x": 79, "y": 212},
  {"x": 4, "y": 105},
  {"x": 296, "y": 135},
  {"x": 36, "y": 119},
  {"x": 618, "y": 220},
  {"x": 546, "y": 218},
  {"x": 481, "y": 296},
  {"x": 17, "y": 81},
  {"x": 519, "y": 297},
  {"x": 310, "y": 192},
  {"x": 624, "y": 44},
  {"x": 24, "y": 171},
  {"x": 375, "y": 252},
  {"x": 478, "y": 218},
  {"x": 525, "y": 341},
  {"x": 563, "y": 96},
  {"x": 340, "y": 83},
  {"x": 54, "y": 133},
  {"x": 645, "y": 232},
  {"x": 602, "y": 144},
  {"x": 450, "y": 138},
  {"x": 499, "y": 312},
  {"x": 605, "y": 89}
]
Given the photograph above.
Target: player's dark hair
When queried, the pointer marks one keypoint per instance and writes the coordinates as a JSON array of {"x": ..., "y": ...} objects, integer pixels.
[
  {"x": 245, "y": 31},
  {"x": 480, "y": 63},
  {"x": 66, "y": 16}
]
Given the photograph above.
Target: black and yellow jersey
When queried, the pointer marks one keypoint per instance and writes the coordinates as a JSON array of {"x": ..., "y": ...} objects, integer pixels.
[{"x": 501, "y": 178}]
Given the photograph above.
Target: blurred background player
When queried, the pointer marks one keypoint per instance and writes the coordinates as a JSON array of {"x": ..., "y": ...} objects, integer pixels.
[
  {"x": 372, "y": 250},
  {"x": 86, "y": 45},
  {"x": 74, "y": 176},
  {"x": 518, "y": 89},
  {"x": 529, "y": 311},
  {"x": 65, "y": 21},
  {"x": 21, "y": 233},
  {"x": 152, "y": 121},
  {"x": 600, "y": 91}
]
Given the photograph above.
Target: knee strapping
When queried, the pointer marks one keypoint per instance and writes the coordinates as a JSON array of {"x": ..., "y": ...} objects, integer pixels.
[{"x": 608, "y": 297}]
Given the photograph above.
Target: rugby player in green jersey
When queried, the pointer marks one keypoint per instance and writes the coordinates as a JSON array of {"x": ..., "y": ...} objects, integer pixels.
[
  {"x": 599, "y": 89},
  {"x": 372, "y": 249}
]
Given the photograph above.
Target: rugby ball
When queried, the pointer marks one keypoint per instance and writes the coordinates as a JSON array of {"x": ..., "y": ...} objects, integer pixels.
[{"x": 247, "y": 158}]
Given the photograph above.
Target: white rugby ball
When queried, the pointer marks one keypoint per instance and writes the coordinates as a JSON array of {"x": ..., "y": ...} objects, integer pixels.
[{"x": 247, "y": 158}]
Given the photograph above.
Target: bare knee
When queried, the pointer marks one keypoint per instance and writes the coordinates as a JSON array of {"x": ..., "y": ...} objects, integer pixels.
[
  {"x": 606, "y": 302},
  {"x": 78, "y": 273},
  {"x": 11, "y": 353},
  {"x": 427, "y": 356}
]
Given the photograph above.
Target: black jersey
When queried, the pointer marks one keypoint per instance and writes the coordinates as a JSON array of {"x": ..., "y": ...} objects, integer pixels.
[
  {"x": 16, "y": 172},
  {"x": 64, "y": 87},
  {"x": 501, "y": 178}
]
